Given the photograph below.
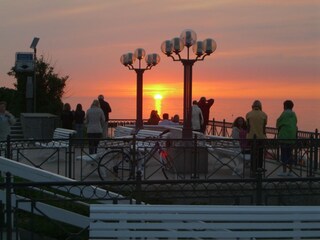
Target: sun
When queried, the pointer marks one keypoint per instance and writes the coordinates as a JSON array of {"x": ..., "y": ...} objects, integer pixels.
[{"x": 157, "y": 96}]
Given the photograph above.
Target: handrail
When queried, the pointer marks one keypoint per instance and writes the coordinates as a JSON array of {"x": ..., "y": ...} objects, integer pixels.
[{"x": 220, "y": 128}]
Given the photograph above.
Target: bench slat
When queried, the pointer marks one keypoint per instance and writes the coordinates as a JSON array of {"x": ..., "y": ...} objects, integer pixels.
[
  {"x": 221, "y": 234},
  {"x": 145, "y": 216},
  {"x": 203, "y": 225},
  {"x": 179, "y": 221}
]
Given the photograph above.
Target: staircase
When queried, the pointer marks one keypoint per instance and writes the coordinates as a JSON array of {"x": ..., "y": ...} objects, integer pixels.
[{"x": 16, "y": 130}]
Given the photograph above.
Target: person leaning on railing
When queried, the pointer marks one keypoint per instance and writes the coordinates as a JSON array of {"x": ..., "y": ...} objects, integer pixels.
[
  {"x": 287, "y": 130},
  {"x": 256, "y": 122},
  {"x": 239, "y": 131}
]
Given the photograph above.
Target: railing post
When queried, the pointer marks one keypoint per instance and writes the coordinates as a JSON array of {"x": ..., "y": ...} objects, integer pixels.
[
  {"x": 316, "y": 150},
  {"x": 213, "y": 126},
  {"x": 224, "y": 128},
  {"x": 8, "y": 153},
  {"x": 138, "y": 187},
  {"x": 195, "y": 157},
  {"x": 70, "y": 156},
  {"x": 134, "y": 158},
  {"x": 254, "y": 156},
  {"x": 259, "y": 186},
  {"x": 8, "y": 206},
  {"x": 311, "y": 151}
]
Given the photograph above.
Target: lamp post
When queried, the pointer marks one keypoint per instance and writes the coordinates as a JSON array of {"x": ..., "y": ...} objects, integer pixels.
[
  {"x": 201, "y": 49},
  {"x": 34, "y": 47},
  {"x": 151, "y": 60}
]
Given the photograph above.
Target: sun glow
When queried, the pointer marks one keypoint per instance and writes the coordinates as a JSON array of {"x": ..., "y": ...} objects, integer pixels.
[{"x": 157, "y": 96}]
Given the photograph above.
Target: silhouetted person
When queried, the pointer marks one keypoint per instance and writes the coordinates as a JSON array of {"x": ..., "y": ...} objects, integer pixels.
[
  {"x": 79, "y": 116},
  {"x": 205, "y": 106},
  {"x": 154, "y": 118},
  {"x": 67, "y": 117},
  {"x": 165, "y": 120},
  {"x": 6, "y": 120},
  {"x": 176, "y": 119},
  {"x": 105, "y": 106}
]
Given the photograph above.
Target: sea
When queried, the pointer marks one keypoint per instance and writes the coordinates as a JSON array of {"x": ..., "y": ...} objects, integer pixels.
[{"x": 307, "y": 110}]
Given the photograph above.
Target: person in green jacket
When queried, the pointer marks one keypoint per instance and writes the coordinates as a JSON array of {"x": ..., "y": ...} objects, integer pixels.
[{"x": 287, "y": 132}]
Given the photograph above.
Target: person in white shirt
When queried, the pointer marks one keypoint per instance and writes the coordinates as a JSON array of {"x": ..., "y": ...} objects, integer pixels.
[
  {"x": 95, "y": 120},
  {"x": 165, "y": 120},
  {"x": 6, "y": 120},
  {"x": 197, "y": 117}
]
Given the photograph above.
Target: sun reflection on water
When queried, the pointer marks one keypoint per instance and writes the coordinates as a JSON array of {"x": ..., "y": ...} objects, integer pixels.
[{"x": 158, "y": 102}]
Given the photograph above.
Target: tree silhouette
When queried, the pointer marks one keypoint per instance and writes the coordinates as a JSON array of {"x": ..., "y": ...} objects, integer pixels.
[{"x": 49, "y": 88}]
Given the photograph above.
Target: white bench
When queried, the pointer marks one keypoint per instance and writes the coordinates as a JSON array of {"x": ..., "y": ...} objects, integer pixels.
[
  {"x": 60, "y": 140},
  {"x": 209, "y": 222},
  {"x": 122, "y": 131}
]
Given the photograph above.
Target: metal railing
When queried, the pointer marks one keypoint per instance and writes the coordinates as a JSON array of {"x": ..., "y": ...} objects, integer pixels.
[
  {"x": 217, "y": 183},
  {"x": 30, "y": 204},
  {"x": 198, "y": 158}
]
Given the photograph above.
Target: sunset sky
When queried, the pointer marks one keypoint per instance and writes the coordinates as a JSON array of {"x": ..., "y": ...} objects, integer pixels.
[{"x": 265, "y": 48}]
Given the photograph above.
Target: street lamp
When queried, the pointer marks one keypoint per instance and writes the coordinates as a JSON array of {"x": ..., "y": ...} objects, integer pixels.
[
  {"x": 151, "y": 60},
  {"x": 201, "y": 49},
  {"x": 34, "y": 47}
]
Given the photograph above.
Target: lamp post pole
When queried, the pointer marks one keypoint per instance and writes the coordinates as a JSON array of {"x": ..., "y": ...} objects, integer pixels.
[
  {"x": 151, "y": 60},
  {"x": 35, "y": 81},
  {"x": 187, "y": 98},
  {"x": 188, "y": 38},
  {"x": 139, "y": 110},
  {"x": 34, "y": 47}
]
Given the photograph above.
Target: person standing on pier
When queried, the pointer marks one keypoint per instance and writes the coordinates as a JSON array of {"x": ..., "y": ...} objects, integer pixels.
[
  {"x": 197, "y": 117},
  {"x": 105, "y": 106},
  {"x": 240, "y": 131},
  {"x": 205, "y": 106},
  {"x": 67, "y": 117},
  {"x": 165, "y": 120},
  {"x": 95, "y": 120},
  {"x": 154, "y": 118},
  {"x": 256, "y": 124},
  {"x": 287, "y": 132},
  {"x": 79, "y": 116},
  {"x": 6, "y": 120}
]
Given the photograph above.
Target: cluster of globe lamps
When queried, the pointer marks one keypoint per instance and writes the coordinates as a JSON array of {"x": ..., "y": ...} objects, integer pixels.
[{"x": 171, "y": 48}]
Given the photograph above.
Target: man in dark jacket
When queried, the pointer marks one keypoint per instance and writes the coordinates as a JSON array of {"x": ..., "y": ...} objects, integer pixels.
[
  {"x": 205, "y": 106},
  {"x": 106, "y": 110}
]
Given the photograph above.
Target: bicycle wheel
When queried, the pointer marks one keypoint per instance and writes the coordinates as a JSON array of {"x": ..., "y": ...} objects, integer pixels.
[
  {"x": 115, "y": 164},
  {"x": 168, "y": 168}
]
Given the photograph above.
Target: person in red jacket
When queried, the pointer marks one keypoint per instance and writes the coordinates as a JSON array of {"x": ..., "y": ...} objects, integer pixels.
[{"x": 205, "y": 106}]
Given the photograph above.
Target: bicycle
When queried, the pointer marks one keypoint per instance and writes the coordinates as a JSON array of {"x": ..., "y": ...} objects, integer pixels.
[{"x": 146, "y": 157}]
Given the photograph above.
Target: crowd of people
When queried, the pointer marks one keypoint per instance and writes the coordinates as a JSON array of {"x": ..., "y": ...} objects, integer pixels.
[
  {"x": 199, "y": 119},
  {"x": 96, "y": 120},
  {"x": 252, "y": 126},
  {"x": 248, "y": 129}
]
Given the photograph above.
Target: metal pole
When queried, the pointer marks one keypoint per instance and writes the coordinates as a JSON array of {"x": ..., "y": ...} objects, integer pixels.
[
  {"x": 139, "y": 120},
  {"x": 8, "y": 206},
  {"x": 35, "y": 81},
  {"x": 187, "y": 98}
]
